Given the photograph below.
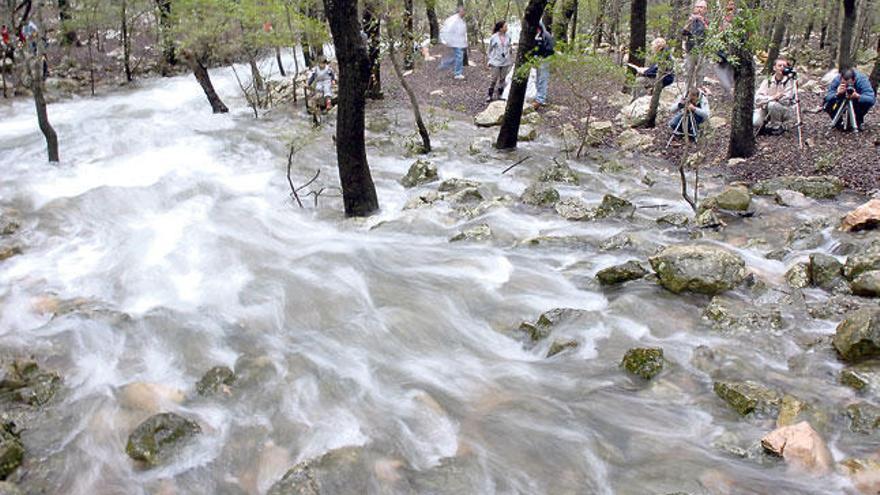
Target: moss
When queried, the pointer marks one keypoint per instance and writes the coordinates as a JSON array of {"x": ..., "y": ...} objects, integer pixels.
[
  {"x": 645, "y": 362},
  {"x": 216, "y": 379},
  {"x": 156, "y": 439},
  {"x": 748, "y": 397}
]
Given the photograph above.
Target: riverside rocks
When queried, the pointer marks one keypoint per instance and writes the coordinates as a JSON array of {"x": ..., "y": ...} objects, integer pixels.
[
  {"x": 420, "y": 172},
  {"x": 159, "y": 437},
  {"x": 477, "y": 233},
  {"x": 748, "y": 397},
  {"x": 217, "y": 379},
  {"x": 699, "y": 268},
  {"x": 612, "y": 206},
  {"x": 540, "y": 195},
  {"x": 866, "y": 216},
  {"x": 825, "y": 271},
  {"x": 646, "y": 362},
  {"x": 858, "y": 336},
  {"x": 816, "y": 187},
  {"x": 559, "y": 346},
  {"x": 862, "y": 377},
  {"x": 798, "y": 276},
  {"x": 11, "y": 450},
  {"x": 618, "y": 274},
  {"x": 792, "y": 199},
  {"x": 559, "y": 172},
  {"x": 864, "y": 417},
  {"x": 342, "y": 470},
  {"x": 801, "y": 447},
  {"x": 541, "y": 328},
  {"x": 492, "y": 115},
  {"x": 575, "y": 209},
  {"x": 859, "y": 263},
  {"x": 733, "y": 198},
  {"x": 867, "y": 284},
  {"x": 25, "y": 382}
]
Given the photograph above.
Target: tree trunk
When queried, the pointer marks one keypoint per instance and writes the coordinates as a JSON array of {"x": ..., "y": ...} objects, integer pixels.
[
  {"x": 169, "y": 57},
  {"x": 875, "y": 74},
  {"x": 599, "y": 25},
  {"x": 413, "y": 101},
  {"x": 372, "y": 26},
  {"x": 833, "y": 30},
  {"x": 562, "y": 18},
  {"x": 638, "y": 30},
  {"x": 508, "y": 135},
  {"x": 278, "y": 60},
  {"x": 358, "y": 190},
  {"x": 742, "y": 137},
  {"x": 548, "y": 17},
  {"x": 259, "y": 85},
  {"x": 782, "y": 20},
  {"x": 433, "y": 22},
  {"x": 35, "y": 72},
  {"x": 408, "y": 35},
  {"x": 126, "y": 41},
  {"x": 864, "y": 22},
  {"x": 678, "y": 10},
  {"x": 64, "y": 17},
  {"x": 92, "y": 36},
  {"x": 201, "y": 74},
  {"x": 844, "y": 52}
]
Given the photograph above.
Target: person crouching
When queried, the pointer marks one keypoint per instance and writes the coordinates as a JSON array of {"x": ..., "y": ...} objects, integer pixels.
[
  {"x": 690, "y": 112},
  {"x": 850, "y": 87},
  {"x": 774, "y": 101}
]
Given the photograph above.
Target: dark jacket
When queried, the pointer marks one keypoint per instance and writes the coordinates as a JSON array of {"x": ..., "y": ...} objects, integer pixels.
[
  {"x": 862, "y": 85},
  {"x": 545, "y": 43}
]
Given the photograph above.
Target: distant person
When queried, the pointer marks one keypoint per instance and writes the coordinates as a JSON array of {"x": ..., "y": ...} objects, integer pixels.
[
  {"x": 454, "y": 35},
  {"x": 694, "y": 34},
  {"x": 31, "y": 34},
  {"x": 322, "y": 80},
  {"x": 660, "y": 54},
  {"x": 850, "y": 86},
  {"x": 4, "y": 36},
  {"x": 499, "y": 60},
  {"x": 692, "y": 111},
  {"x": 774, "y": 101},
  {"x": 544, "y": 48}
]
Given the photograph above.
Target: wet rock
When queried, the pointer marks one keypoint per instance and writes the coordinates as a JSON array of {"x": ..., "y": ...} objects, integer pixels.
[
  {"x": 733, "y": 198},
  {"x": 730, "y": 314},
  {"x": 817, "y": 187},
  {"x": 792, "y": 199},
  {"x": 11, "y": 450},
  {"x": 645, "y": 362},
  {"x": 704, "y": 269},
  {"x": 7, "y": 488},
  {"x": 541, "y": 328},
  {"x": 674, "y": 220},
  {"x": 492, "y": 115},
  {"x": 790, "y": 409},
  {"x": 559, "y": 346},
  {"x": 858, "y": 336},
  {"x": 613, "y": 206},
  {"x": 864, "y": 474},
  {"x": 9, "y": 222},
  {"x": 477, "y": 233},
  {"x": 864, "y": 262},
  {"x": 866, "y": 216},
  {"x": 633, "y": 140},
  {"x": 862, "y": 376},
  {"x": 527, "y": 133},
  {"x": 631, "y": 270},
  {"x": 465, "y": 209},
  {"x": 559, "y": 172},
  {"x": 420, "y": 172},
  {"x": 149, "y": 397},
  {"x": 798, "y": 276},
  {"x": 217, "y": 379},
  {"x": 807, "y": 235},
  {"x": 378, "y": 124},
  {"x": 9, "y": 250},
  {"x": 864, "y": 417},
  {"x": 825, "y": 271},
  {"x": 777, "y": 254},
  {"x": 541, "y": 195},
  {"x": 25, "y": 382},
  {"x": 339, "y": 471},
  {"x": 253, "y": 371},
  {"x": 159, "y": 437},
  {"x": 575, "y": 209},
  {"x": 836, "y": 307},
  {"x": 801, "y": 447},
  {"x": 456, "y": 184},
  {"x": 599, "y": 131},
  {"x": 867, "y": 284},
  {"x": 648, "y": 180},
  {"x": 748, "y": 397},
  {"x": 709, "y": 219},
  {"x": 468, "y": 195}
]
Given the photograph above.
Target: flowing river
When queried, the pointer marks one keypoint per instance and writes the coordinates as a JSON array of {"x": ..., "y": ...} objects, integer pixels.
[{"x": 166, "y": 243}]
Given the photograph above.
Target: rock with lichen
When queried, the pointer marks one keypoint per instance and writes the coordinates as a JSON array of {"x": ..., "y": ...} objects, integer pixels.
[
  {"x": 160, "y": 437},
  {"x": 420, "y": 172},
  {"x": 700, "y": 268},
  {"x": 217, "y": 379},
  {"x": 618, "y": 274},
  {"x": 646, "y": 362},
  {"x": 541, "y": 195},
  {"x": 747, "y": 397},
  {"x": 858, "y": 336}
]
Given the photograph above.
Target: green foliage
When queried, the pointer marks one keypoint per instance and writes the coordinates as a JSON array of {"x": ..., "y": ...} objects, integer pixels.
[
  {"x": 204, "y": 28},
  {"x": 742, "y": 33}
]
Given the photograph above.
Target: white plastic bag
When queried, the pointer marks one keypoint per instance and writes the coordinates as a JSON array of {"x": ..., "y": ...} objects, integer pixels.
[{"x": 531, "y": 87}]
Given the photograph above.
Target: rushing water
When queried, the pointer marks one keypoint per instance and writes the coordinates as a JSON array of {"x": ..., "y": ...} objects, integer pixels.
[{"x": 175, "y": 230}]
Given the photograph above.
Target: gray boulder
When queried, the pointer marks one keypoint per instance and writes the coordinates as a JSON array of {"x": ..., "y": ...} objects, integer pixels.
[
  {"x": 858, "y": 336},
  {"x": 631, "y": 270},
  {"x": 747, "y": 397},
  {"x": 864, "y": 417},
  {"x": 477, "y": 233},
  {"x": 733, "y": 198},
  {"x": 825, "y": 270},
  {"x": 342, "y": 470},
  {"x": 792, "y": 199},
  {"x": 575, "y": 209},
  {"x": 867, "y": 284},
  {"x": 860, "y": 263},
  {"x": 541, "y": 195},
  {"x": 159, "y": 437},
  {"x": 217, "y": 379},
  {"x": 492, "y": 115},
  {"x": 704, "y": 269},
  {"x": 11, "y": 450},
  {"x": 817, "y": 187},
  {"x": 643, "y": 362},
  {"x": 420, "y": 172},
  {"x": 612, "y": 206},
  {"x": 559, "y": 172}
]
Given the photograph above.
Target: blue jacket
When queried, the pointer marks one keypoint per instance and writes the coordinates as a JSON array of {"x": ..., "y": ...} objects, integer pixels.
[{"x": 863, "y": 87}]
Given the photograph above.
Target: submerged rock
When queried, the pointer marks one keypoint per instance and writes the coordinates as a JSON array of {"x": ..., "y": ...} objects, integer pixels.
[
  {"x": 808, "y": 235},
  {"x": 790, "y": 409},
  {"x": 159, "y": 437},
  {"x": 792, "y": 199},
  {"x": 11, "y": 450},
  {"x": 217, "y": 379},
  {"x": 709, "y": 219},
  {"x": 631, "y": 270},
  {"x": 858, "y": 336},
  {"x": 817, "y": 187},
  {"x": 339, "y": 471},
  {"x": 674, "y": 220},
  {"x": 420, "y": 172},
  {"x": 541, "y": 195},
  {"x": 575, "y": 209},
  {"x": 645, "y": 362},
  {"x": 149, "y": 397},
  {"x": 617, "y": 241},
  {"x": 801, "y": 447},
  {"x": 747, "y": 397},
  {"x": 9, "y": 250},
  {"x": 456, "y": 184},
  {"x": 866, "y": 216},
  {"x": 559, "y": 346},
  {"x": 864, "y": 417},
  {"x": 825, "y": 270},
  {"x": 477, "y": 233},
  {"x": 527, "y": 133},
  {"x": 867, "y": 284},
  {"x": 612, "y": 206},
  {"x": 862, "y": 376},
  {"x": 9, "y": 222},
  {"x": 541, "y": 328},
  {"x": 704, "y": 269},
  {"x": 729, "y": 314},
  {"x": 25, "y": 382},
  {"x": 733, "y": 198},
  {"x": 559, "y": 172},
  {"x": 632, "y": 140}
]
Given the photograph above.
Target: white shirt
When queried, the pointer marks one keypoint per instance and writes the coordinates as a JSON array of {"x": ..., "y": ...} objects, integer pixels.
[{"x": 453, "y": 33}]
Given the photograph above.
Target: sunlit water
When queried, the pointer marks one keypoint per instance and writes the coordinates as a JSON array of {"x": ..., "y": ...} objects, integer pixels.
[{"x": 376, "y": 333}]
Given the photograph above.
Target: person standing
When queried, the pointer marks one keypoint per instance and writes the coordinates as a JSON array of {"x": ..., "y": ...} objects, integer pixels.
[
  {"x": 694, "y": 34},
  {"x": 774, "y": 101},
  {"x": 500, "y": 60},
  {"x": 322, "y": 80},
  {"x": 544, "y": 48},
  {"x": 454, "y": 35}
]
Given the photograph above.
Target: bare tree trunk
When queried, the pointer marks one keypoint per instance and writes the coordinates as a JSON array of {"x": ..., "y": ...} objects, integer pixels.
[
  {"x": 92, "y": 36},
  {"x": 638, "y": 30},
  {"x": 599, "y": 25},
  {"x": 408, "y": 35},
  {"x": 562, "y": 17},
  {"x": 875, "y": 74},
  {"x": 782, "y": 20},
  {"x": 433, "y": 23},
  {"x": 35, "y": 72},
  {"x": 548, "y": 18},
  {"x": 742, "y": 137},
  {"x": 509, "y": 133},
  {"x": 278, "y": 61},
  {"x": 64, "y": 17},
  {"x": 372, "y": 26},
  {"x": 169, "y": 57},
  {"x": 833, "y": 30},
  {"x": 358, "y": 190},
  {"x": 126, "y": 40},
  {"x": 844, "y": 52},
  {"x": 678, "y": 10},
  {"x": 201, "y": 74},
  {"x": 413, "y": 101}
]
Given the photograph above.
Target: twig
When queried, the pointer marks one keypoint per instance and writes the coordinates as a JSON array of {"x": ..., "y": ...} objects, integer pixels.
[
  {"x": 300, "y": 188},
  {"x": 293, "y": 189},
  {"x": 514, "y": 165}
]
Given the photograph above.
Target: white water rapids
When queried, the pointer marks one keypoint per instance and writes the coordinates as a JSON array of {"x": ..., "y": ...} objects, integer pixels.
[{"x": 376, "y": 333}]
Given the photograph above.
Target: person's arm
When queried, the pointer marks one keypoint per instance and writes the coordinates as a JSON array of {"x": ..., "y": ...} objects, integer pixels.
[
  {"x": 761, "y": 96},
  {"x": 866, "y": 92},
  {"x": 703, "y": 111},
  {"x": 831, "y": 94},
  {"x": 312, "y": 78}
]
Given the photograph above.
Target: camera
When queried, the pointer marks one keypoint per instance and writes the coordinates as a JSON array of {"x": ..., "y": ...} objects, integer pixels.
[
  {"x": 788, "y": 71},
  {"x": 850, "y": 90}
]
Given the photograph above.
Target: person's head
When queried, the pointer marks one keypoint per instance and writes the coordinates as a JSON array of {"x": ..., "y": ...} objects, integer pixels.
[
  {"x": 779, "y": 66},
  {"x": 658, "y": 45},
  {"x": 693, "y": 96},
  {"x": 460, "y": 10},
  {"x": 848, "y": 76},
  {"x": 322, "y": 62},
  {"x": 701, "y": 7},
  {"x": 500, "y": 27}
]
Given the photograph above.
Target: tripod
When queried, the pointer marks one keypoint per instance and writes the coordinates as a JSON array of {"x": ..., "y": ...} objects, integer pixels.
[
  {"x": 691, "y": 127},
  {"x": 797, "y": 108},
  {"x": 847, "y": 113}
]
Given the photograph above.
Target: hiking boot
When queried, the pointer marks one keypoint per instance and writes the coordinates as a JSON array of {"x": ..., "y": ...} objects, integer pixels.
[{"x": 459, "y": 77}]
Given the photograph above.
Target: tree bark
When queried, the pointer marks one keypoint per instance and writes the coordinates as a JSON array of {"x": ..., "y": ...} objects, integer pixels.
[
  {"x": 64, "y": 17},
  {"x": 779, "y": 26},
  {"x": 35, "y": 72},
  {"x": 279, "y": 62},
  {"x": 844, "y": 52},
  {"x": 169, "y": 57},
  {"x": 562, "y": 18},
  {"x": 433, "y": 22},
  {"x": 201, "y": 74},
  {"x": 372, "y": 26},
  {"x": 508, "y": 135},
  {"x": 875, "y": 74},
  {"x": 638, "y": 31},
  {"x": 742, "y": 137},
  {"x": 126, "y": 40},
  {"x": 548, "y": 17},
  {"x": 413, "y": 101},
  {"x": 831, "y": 39},
  {"x": 408, "y": 35},
  {"x": 358, "y": 190},
  {"x": 678, "y": 10}
]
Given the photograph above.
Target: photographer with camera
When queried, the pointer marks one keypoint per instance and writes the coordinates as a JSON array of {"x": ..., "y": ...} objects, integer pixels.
[
  {"x": 849, "y": 98},
  {"x": 774, "y": 101},
  {"x": 690, "y": 111}
]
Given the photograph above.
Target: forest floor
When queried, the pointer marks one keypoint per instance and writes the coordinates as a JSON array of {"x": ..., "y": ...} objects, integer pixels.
[{"x": 854, "y": 158}]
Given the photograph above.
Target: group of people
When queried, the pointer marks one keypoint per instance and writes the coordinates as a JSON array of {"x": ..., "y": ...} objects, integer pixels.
[{"x": 27, "y": 35}]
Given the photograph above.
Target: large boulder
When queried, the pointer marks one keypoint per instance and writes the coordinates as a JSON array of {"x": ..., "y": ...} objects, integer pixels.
[
  {"x": 792, "y": 199},
  {"x": 817, "y": 187},
  {"x": 541, "y": 195},
  {"x": 704, "y": 269},
  {"x": 748, "y": 397},
  {"x": 342, "y": 470},
  {"x": 633, "y": 140},
  {"x": 11, "y": 450},
  {"x": 864, "y": 217},
  {"x": 801, "y": 447},
  {"x": 733, "y": 198},
  {"x": 493, "y": 114},
  {"x": 645, "y": 362},
  {"x": 24, "y": 381},
  {"x": 858, "y": 336},
  {"x": 867, "y": 284},
  {"x": 159, "y": 437},
  {"x": 618, "y": 274},
  {"x": 612, "y": 206},
  {"x": 825, "y": 270},
  {"x": 420, "y": 172},
  {"x": 559, "y": 172},
  {"x": 857, "y": 264}
]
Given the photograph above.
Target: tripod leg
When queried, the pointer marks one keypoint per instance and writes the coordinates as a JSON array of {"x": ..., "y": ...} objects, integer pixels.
[
  {"x": 675, "y": 131},
  {"x": 838, "y": 115},
  {"x": 852, "y": 116}
]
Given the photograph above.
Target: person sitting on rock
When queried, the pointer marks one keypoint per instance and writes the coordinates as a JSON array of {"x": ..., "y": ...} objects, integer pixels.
[
  {"x": 690, "y": 112},
  {"x": 774, "y": 101},
  {"x": 322, "y": 79},
  {"x": 648, "y": 75},
  {"x": 850, "y": 86}
]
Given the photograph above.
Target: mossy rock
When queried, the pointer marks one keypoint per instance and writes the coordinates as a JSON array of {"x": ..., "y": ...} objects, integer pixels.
[
  {"x": 575, "y": 209},
  {"x": 677, "y": 220},
  {"x": 862, "y": 377},
  {"x": 11, "y": 450},
  {"x": 343, "y": 470},
  {"x": 816, "y": 187},
  {"x": 477, "y": 233},
  {"x": 733, "y": 198},
  {"x": 420, "y": 172},
  {"x": 866, "y": 284},
  {"x": 559, "y": 346},
  {"x": 747, "y": 397},
  {"x": 858, "y": 336},
  {"x": 613, "y": 206},
  {"x": 559, "y": 172},
  {"x": 159, "y": 437},
  {"x": 646, "y": 362},
  {"x": 541, "y": 328},
  {"x": 798, "y": 276},
  {"x": 825, "y": 271},
  {"x": 456, "y": 184},
  {"x": 703, "y": 269},
  {"x": 615, "y": 275},
  {"x": 25, "y": 382},
  {"x": 540, "y": 195},
  {"x": 217, "y": 379},
  {"x": 864, "y": 418},
  {"x": 861, "y": 263},
  {"x": 790, "y": 410}
]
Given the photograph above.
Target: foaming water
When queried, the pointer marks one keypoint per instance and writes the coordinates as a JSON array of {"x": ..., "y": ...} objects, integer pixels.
[{"x": 173, "y": 231}]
